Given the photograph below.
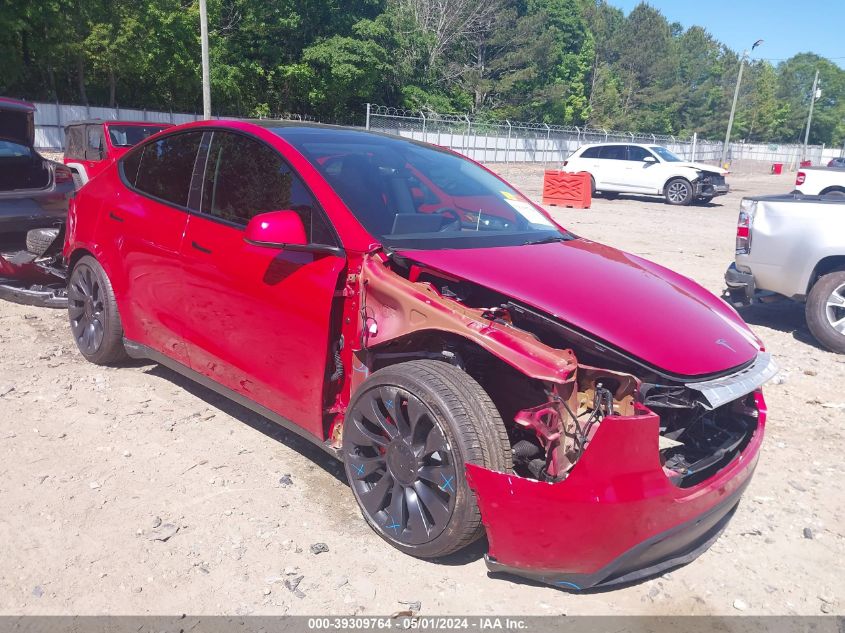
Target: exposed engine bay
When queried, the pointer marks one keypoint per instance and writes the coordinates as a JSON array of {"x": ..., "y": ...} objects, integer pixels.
[{"x": 552, "y": 411}]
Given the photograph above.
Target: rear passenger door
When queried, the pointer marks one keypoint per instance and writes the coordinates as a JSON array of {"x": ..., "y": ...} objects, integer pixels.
[
  {"x": 258, "y": 320},
  {"x": 141, "y": 229},
  {"x": 612, "y": 168}
]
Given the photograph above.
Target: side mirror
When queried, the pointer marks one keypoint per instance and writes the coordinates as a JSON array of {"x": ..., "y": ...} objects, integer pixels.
[
  {"x": 284, "y": 230},
  {"x": 649, "y": 159},
  {"x": 276, "y": 229}
]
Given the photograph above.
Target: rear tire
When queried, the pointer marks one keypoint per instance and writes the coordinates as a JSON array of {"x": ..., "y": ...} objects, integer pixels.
[
  {"x": 77, "y": 180},
  {"x": 825, "y": 311},
  {"x": 92, "y": 311},
  {"x": 678, "y": 192},
  {"x": 409, "y": 432}
]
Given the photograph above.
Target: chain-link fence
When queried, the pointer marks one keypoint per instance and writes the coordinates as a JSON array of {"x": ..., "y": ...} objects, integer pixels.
[
  {"x": 519, "y": 142},
  {"x": 488, "y": 141}
]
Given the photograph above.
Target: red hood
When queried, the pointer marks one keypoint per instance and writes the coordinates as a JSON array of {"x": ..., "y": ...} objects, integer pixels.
[{"x": 643, "y": 309}]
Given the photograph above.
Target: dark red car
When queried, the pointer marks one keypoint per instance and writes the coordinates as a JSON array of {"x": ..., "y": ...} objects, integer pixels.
[
  {"x": 472, "y": 363},
  {"x": 91, "y": 145}
]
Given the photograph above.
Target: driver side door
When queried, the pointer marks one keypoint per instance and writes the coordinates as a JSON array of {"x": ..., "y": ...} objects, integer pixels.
[{"x": 258, "y": 320}]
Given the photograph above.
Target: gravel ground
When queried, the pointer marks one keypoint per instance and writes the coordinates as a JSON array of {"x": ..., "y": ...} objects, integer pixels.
[{"x": 131, "y": 490}]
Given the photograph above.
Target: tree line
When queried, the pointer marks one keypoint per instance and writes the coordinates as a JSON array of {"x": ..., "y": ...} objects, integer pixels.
[{"x": 575, "y": 62}]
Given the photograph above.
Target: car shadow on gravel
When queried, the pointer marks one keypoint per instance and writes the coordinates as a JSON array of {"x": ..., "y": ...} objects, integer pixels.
[
  {"x": 261, "y": 424},
  {"x": 784, "y": 316},
  {"x": 332, "y": 466},
  {"x": 655, "y": 199}
]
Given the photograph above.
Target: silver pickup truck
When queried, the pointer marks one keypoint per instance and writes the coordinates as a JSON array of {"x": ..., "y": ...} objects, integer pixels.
[{"x": 793, "y": 246}]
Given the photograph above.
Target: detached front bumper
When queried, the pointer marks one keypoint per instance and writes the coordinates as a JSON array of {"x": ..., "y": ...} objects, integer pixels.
[
  {"x": 711, "y": 190},
  {"x": 616, "y": 518}
]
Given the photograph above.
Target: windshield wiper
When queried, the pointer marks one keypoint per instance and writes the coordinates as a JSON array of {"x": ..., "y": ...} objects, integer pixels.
[{"x": 548, "y": 240}]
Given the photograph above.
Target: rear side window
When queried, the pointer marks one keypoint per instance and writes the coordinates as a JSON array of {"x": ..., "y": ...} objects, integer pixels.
[
  {"x": 613, "y": 152},
  {"x": 590, "y": 152},
  {"x": 244, "y": 178},
  {"x": 75, "y": 142},
  {"x": 165, "y": 167}
]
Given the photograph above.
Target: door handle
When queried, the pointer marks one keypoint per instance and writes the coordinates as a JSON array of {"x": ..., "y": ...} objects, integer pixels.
[
  {"x": 115, "y": 217},
  {"x": 201, "y": 249}
]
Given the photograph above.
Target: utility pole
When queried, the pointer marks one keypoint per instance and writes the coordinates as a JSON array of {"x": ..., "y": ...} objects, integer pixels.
[
  {"x": 206, "y": 82},
  {"x": 733, "y": 110},
  {"x": 813, "y": 96}
]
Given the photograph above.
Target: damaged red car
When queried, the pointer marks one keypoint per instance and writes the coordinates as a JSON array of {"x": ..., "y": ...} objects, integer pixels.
[{"x": 477, "y": 367}]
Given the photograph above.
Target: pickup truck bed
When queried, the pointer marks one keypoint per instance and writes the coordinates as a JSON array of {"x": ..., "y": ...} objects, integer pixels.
[{"x": 794, "y": 246}]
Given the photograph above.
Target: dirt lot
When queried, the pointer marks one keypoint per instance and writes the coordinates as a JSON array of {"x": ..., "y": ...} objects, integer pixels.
[{"x": 99, "y": 463}]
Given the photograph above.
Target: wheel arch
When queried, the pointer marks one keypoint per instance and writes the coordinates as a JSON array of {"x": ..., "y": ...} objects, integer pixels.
[
  {"x": 675, "y": 176},
  {"x": 79, "y": 168},
  {"x": 77, "y": 254},
  {"x": 826, "y": 265},
  {"x": 505, "y": 382},
  {"x": 832, "y": 189}
]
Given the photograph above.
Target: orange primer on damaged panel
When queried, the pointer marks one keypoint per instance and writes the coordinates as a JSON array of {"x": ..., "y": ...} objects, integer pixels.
[{"x": 399, "y": 307}]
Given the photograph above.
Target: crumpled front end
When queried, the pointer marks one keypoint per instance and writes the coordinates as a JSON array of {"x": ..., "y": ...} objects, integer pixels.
[
  {"x": 618, "y": 469},
  {"x": 623, "y": 512}
]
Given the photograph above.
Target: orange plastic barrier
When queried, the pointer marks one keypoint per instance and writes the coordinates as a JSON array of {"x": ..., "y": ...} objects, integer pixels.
[{"x": 565, "y": 189}]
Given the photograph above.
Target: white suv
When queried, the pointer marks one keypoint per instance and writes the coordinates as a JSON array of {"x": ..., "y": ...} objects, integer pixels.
[{"x": 647, "y": 169}]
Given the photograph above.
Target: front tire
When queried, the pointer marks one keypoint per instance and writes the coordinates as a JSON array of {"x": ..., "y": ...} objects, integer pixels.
[
  {"x": 409, "y": 432},
  {"x": 92, "y": 312},
  {"x": 678, "y": 192},
  {"x": 825, "y": 311}
]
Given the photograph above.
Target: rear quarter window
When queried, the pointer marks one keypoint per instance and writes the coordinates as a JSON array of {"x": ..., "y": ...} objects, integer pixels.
[
  {"x": 75, "y": 142},
  {"x": 590, "y": 152}
]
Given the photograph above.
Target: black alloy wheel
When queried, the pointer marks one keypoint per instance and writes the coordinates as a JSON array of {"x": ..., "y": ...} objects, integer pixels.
[
  {"x": 92, "y": 312},
  {"x": 401, "y": 465},
  {"x": 409, "y": 432},
  {"x": 86, "y": 309}
]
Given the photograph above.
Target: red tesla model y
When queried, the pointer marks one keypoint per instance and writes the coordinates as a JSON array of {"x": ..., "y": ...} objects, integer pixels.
[{"x": 476, "y": 366}]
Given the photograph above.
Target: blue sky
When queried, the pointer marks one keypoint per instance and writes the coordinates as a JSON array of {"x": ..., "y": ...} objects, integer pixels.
[{"x": 788, "y": 26}]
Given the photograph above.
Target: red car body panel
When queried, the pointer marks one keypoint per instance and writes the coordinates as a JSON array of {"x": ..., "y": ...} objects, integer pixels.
[
  {"x": 612, "y": 501},
  {"x": 248, "y": 324},
  {"x": 242, "y": 316},
  {"x": 577, "y": 281}
]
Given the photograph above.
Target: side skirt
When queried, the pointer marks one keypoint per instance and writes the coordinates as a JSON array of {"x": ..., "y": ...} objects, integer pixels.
[{"x": 137, "y": 350}]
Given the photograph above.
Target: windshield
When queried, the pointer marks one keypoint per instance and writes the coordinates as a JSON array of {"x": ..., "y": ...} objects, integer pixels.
[
  {"x": 665, "y": 154},
  {"x": 129, "y": 135},
  {"x": 411, "y": 195}
]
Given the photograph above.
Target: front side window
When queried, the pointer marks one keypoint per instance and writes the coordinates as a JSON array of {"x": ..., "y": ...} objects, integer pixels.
[
  {"x": 665, "y": 154},
  {"x": 637, "y": 153},
  {"x": 413, "y": 195},
  {"x": 244, "y": 177},
  {"x": 165, "y": 167}
]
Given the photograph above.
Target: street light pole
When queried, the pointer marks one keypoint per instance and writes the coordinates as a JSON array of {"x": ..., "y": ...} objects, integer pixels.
[
  {"x": 810, "y": 117},
  {"x": 733, "y": 109},
  {"x": 206, "y": 82}
]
